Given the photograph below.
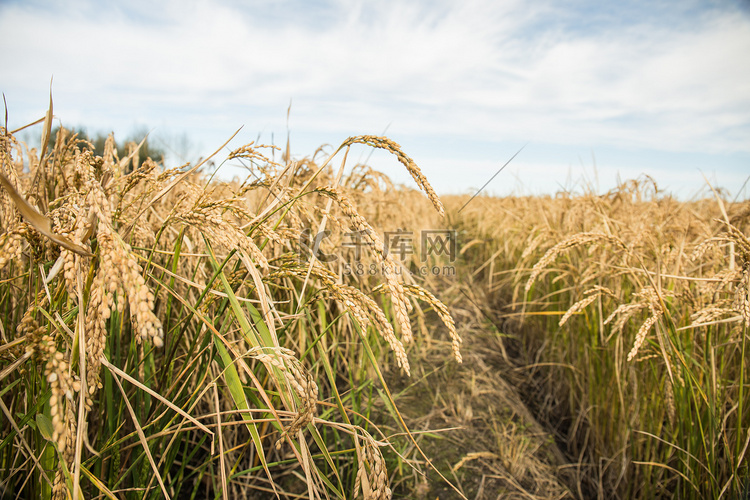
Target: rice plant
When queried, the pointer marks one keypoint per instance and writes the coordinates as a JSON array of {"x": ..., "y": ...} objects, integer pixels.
[
  {"x": 634, "y": 311},
  {"x": 167, "y": 334}
]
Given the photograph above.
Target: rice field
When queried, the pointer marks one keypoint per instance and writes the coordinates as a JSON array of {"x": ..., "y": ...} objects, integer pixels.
[
  {"x": 631, "y": 312},
  {"x": 167, "y": 333}
]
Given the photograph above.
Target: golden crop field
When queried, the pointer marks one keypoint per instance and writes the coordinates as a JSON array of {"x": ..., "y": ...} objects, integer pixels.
[{"x": 313, "y": 331}]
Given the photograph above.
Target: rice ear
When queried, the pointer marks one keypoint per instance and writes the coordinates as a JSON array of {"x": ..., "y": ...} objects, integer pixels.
[
  {"x": 39, "y": 221},
  {"x": 173, "y": 183}
]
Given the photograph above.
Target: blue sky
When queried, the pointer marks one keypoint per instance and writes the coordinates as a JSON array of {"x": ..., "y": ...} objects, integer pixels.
[{"x": 595, "y": 90}]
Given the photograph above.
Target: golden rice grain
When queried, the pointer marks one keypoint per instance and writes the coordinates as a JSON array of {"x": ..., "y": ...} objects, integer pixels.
[
  {"x": 577, "y": 307},
  {"x": 741, "y": 301},
  {"x": 372, "y": 474},
  {"x": 285, "y": 361},
  {"x": 360, "y": 305},
  {"x": 10, "y": 247},
  {"x": 387, "y": 262},
  {"x": 654, "y": 305},
  {"x": 442, "y": 311},
  {"x": 411, "y": 166},
  {"x": 565, "y": 245}
]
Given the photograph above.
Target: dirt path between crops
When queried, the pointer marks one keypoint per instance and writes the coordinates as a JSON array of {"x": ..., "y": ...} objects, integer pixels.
[{"x": 495, "y": 448}]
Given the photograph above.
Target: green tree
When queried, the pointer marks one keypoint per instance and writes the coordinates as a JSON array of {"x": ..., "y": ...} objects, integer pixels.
[{"x": 98, "y": 140}]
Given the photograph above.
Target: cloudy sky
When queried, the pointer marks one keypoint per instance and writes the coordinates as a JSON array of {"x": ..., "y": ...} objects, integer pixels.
[{"x": 595, "y": 90}]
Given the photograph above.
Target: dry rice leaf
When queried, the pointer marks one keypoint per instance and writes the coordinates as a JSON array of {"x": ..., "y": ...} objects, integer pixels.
[
  {"x": 46, "y": 132},
  {"x": 40, "y": 120}
]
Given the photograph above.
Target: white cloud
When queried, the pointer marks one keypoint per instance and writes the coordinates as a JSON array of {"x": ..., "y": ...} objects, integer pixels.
[{"x": 480, "y": 70}]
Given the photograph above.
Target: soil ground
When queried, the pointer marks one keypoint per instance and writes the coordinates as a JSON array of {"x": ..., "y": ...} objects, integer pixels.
[{"x": 472, "y": 422}]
